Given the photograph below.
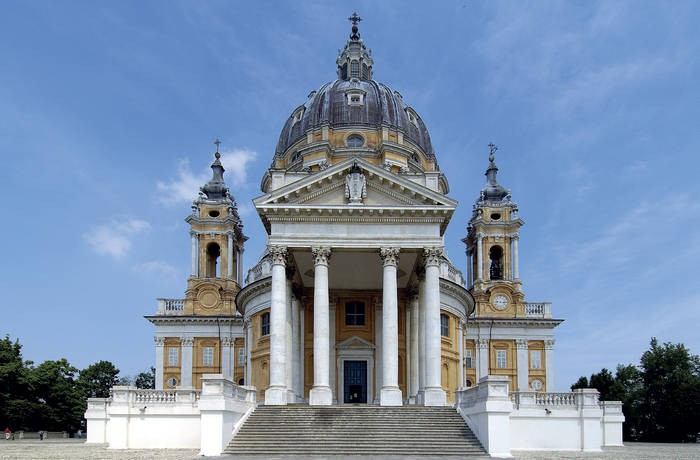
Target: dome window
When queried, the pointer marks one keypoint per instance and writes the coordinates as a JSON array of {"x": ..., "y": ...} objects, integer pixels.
[
  {"x": 298, "y": 113},
  {"x": 412, "y": 116},
  {"x": 296, "y": 157},
  {"x": 355, "y": 97},
  {"x": 355, "y": 140},
  {"x": 354, "y": 69}
]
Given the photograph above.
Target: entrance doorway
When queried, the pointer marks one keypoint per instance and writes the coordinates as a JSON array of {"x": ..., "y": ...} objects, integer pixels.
[{"x": 355, "y": 382}]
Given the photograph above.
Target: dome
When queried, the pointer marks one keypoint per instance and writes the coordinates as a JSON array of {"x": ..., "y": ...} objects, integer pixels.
[{"x": 377, "y": 105}]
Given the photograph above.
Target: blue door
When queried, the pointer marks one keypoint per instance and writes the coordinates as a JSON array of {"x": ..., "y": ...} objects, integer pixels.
[{"x": 355, "y": 382}]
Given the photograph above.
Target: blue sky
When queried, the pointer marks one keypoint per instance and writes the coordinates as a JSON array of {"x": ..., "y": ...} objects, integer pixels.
[{"x": 108, "y": 111}]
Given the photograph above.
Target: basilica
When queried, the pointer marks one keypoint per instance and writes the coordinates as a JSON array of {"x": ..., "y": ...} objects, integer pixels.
[
  {"x": 354, "y": 303},
  {"x": 355, "y": 300}
]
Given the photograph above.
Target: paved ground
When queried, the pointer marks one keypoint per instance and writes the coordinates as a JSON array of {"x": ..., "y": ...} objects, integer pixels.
[{"x": 73, "y": 449}]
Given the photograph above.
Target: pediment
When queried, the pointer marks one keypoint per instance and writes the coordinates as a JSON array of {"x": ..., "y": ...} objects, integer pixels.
[
  {"x": 328, "y": 188},
  {"x": 355, "y": 343}
]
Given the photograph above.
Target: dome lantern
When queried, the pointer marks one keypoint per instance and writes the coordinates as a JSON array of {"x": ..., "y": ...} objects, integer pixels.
[{"x": 354, "y": 61}]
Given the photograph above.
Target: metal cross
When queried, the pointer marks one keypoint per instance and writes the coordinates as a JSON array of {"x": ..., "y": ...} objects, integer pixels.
[
  {"x": 354, "y": 18},
  {"x": 217, "y": 142},
  {"x": 492, "y": 149}
]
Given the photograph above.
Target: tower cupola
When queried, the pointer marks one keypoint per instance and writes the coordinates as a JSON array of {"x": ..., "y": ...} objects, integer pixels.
[
  {"x": 355, "y": 61},
  {"x": 493, "y": 191}
]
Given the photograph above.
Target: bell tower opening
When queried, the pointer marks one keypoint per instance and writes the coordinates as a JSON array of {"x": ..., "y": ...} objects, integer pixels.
[
  {"x": 496, "y": 267},
  {"x": 213, "y": 254}
]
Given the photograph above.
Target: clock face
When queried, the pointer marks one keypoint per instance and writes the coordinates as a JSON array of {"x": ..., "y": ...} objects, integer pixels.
[{"x": 500, "y": 302}]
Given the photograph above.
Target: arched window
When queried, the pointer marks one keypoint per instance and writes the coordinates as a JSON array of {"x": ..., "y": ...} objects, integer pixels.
[
  {"x": 355, "y": 69},
  {"x": 265, "y": 324},
  {"x": 496, "y": 269},
  {"x": 241, "y": 381},
  {"x": 355, "y": 140},
  {"x": 213, "y": 253},
  {"x": 444, "y": 325}
]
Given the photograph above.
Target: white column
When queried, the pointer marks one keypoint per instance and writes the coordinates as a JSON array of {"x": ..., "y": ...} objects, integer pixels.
[
  {"x": 421, "y": 336},
  {"x": 460, "y": 336},
  {"x": 483, "y": 357},
  {"x": 378, "y": 314},
  {"x": 239, "y": 266},
  {"x": 289, "y": 372},
  {"x": 160, "y": 356},
  {"x": 549, "y": 364},
  {"x": 321, "y": 394},
  {"x": 331, "y": 350},
  {"x": 229, "y": 256},
  {"x": 296, "y": 387},
  {"x": 391, "y": 393},
  {"x": 276, "y": 394},
  {"x": 195, "y": 255},
  {"x": 470, "y": 267},
  {"x": 248, "y": 345},
  {"x": 413, "y": 347},
  {"x": 514, "y": 256},
  {"x": 479, "y": 257},
  {"x": 186, "y": 344},
  {"x": 227, "y": 357},
  {"x": 434, "y": 394},
  {"x": 523, "y": 365},
  {"x": 301, "y": 384}
]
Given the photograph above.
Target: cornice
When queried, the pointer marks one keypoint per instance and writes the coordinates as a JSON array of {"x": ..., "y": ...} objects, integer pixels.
[
  {"x": 252, "y": 290},
  {"x": 459, "y": 292},
  {"x": 194, "y": 319},
  {"x": 515, "y": 322}
]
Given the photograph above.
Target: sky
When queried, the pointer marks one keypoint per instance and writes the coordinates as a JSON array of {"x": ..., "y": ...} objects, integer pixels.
[{"x": 109, "y": 110}]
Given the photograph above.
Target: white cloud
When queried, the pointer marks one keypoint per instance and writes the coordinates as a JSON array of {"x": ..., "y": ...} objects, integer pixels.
[
  {"x": 157, "y": 268},
  {"x": 186, "y": 187},
  {"x": 114, "y": 239}
]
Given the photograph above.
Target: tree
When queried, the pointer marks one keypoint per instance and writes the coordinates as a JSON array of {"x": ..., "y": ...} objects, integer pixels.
[
  {"x": 16, "y": 407},
  {"x": 55, "y": 388},
  {"x": 96, "y": 380},
  {"x": 147, "y": 379},
  {"x": 671, "y": 401},
  {"x": 582, "y": 382}
]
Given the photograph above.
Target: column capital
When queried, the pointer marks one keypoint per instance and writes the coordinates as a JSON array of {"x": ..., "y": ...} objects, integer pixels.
[
  {"x": 549, "y": 344},
  {"x": 278, "y": 254},
  {"x": 521, "y": 344},
  {"x": 432, "y": 255},
  {"x": 321, "y": 255},
  {"x": 482, "y": 343},
  {"x": 227, "y": 341},
  {"x": 186, "y": 341},
  {"x": 479, "y": 235},
  {"x": 194, "y": 234},
  {"x": 160, "y": 341},
  {"x": 377, "y": 302},
  {"x": 390, "y": 256}
]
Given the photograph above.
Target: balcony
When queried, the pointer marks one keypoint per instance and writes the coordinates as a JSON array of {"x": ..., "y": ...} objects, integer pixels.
[
  {"x": 171, "y": 307},
  {"x": 538, "y": 309}
]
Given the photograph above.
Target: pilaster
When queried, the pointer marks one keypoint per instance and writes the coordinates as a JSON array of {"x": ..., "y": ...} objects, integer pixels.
[
  {"x": 522, "y": 364},
  {"x": 186, "y": 344}
]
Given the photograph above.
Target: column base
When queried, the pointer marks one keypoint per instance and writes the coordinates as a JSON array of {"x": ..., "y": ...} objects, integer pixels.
[
  {"x": 276, "y": 396},
  {"x": 434, "y": 397},
  {"x": 391, "y": 396},
  {"x": 320, "y": 396},
  {"x": 412, "y": 400},
  {"x": 420, "y": 397}
]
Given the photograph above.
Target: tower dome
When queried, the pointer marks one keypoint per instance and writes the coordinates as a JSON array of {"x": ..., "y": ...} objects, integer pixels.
[{"x": 355, "y": 115}]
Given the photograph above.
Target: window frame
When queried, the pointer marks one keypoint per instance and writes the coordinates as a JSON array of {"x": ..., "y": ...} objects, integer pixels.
[
  {"x": 208, "y": 356},
  {"x": 355, "y": 314},
  {"x": 534, "y": 361},
  {"x": 501, "y": 359},
  {"x": 265, "y": 324},
  {"x": 173, "y": 351},
  {"x": 444, "y": 325}
]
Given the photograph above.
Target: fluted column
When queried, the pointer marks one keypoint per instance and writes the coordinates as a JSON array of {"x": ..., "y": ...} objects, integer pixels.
[
  {"x": 391, "y": 393},
  {"x": 160, "y": 356},
  {"x": 186, "y": 344},
  {"x": 514, "y": 256},
  {"x": 413, "y": 346},
  {"x": 321, "y": 394},
  {"x": 276, "y": 393},
  {"x": 289, "y": 375},
  {"x": 434, "y": 394},
  {"x": 420, "y": 273},
  {"x": 549, "y": 364},
  {"x": 227, "y": 357},
  {"x": 479, "y": 257},
  {"x": 331, "y": 350},
  {"x": 229, "y": 256},
  {"x": 296, "y": 340},
  {"x": 195, "y": 255},
  {"x": 377, "y": 348},
  {"x": 523, "y": 364}
]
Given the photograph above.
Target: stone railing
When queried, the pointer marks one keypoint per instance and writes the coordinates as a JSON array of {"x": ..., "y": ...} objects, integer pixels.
[
  {"x": 538, "y": 309},
  {"x": 449, "y": 272},
  {"x": 576, "y": 399},
  {"x": 262, "y": 270},
  {"x": 171, "y": 307},
  {"x": 136, "y": 397}
]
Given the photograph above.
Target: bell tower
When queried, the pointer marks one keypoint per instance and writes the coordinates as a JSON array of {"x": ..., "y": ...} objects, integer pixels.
[
  {"x": 492, "y": 250},
  {"x": 217, "y": 248}
]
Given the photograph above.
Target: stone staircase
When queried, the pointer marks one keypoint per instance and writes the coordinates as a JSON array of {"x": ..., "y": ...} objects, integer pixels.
[{"x": 408, "y": 431}]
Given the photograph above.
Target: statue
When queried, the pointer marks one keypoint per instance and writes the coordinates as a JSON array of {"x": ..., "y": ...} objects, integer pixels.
[{"x": 355, "y": 185}]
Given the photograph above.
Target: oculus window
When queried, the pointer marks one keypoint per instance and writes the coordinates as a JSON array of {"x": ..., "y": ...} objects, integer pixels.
[{"x": 355, "y": 140}]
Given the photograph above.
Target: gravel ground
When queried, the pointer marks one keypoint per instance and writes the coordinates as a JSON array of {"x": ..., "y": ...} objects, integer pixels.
[{"x": 73, "y": 449}]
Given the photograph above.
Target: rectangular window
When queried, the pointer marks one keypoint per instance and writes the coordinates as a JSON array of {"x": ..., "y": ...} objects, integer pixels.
[
  {"x": 535, "y": 359},
  {"x": 501, "y": 359},
  {"x": 354, "y": 69},
  {"x": 172, "y": 356},
  {"x": 354, "y": 313},
  {"x": 445, "y": 325},
  {"x": 265, "y": 324},
  {"x": 208, "y": 356},
  {"x": 241, "y": 356},
  {"x": 468, "y": 359}
]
